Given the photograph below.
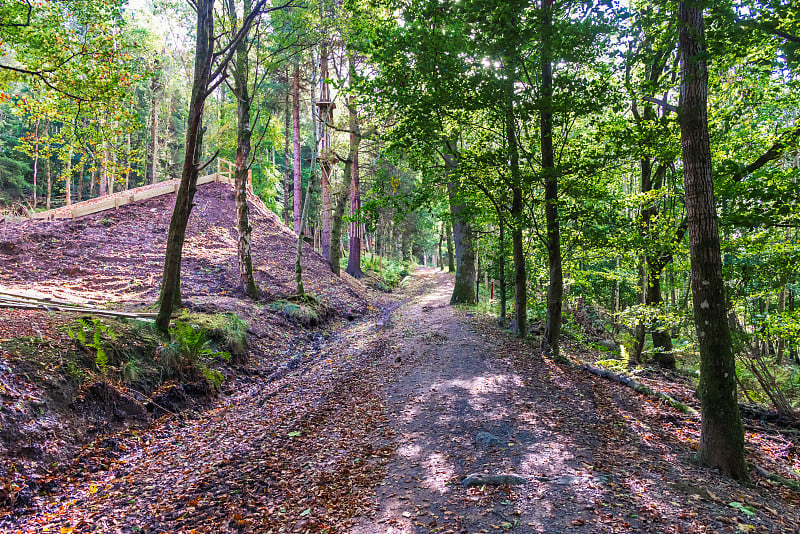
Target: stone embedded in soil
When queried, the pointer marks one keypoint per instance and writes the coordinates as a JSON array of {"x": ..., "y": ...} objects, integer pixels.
[
  {"x": 485, "y": 440},
  {"x": 480, "y": 479}
]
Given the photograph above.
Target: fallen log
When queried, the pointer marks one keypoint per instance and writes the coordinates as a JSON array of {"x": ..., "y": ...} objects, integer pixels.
[
  {"x": 639, "y": 388},
  {"x": 480, "y": 479}
]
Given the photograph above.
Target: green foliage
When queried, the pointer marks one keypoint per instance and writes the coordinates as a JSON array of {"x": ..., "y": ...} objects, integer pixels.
[
  {"x": 189, "y": 352},
  {"x": 95, "y": 337}
]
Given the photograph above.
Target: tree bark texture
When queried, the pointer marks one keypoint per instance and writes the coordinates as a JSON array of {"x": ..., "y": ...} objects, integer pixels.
[
  {"x": 325, "y": 215},
  {"x": 287, "y": 169},
  {"x": 341, "y": 202},
  {"x": 298, "y": 181},
  {"x": 170, "y": 283},
  {"x": 354, "y": 257},
  {"x": 464, "y": 288},
  {"x": 155, "y": 89},
  {"x": 36, "y": 165},
  {"x": 722, "y": 435},
  {"x": 520, "y": 276},
  {"x": 555, "y": 290},
  {"x": 451, "y": 258},
  {"x": 243, "y": 147}
]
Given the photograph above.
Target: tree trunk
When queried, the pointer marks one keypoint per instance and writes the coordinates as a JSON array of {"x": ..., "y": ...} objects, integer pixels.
[
  {"x": 170, "y": 295},
  {"x": 354, "y": 256},
  {"x": 441, "y": 239},
  {"x": 341, "y": 202},
  {"x": 80, "y": 177},
  {"x": 287, "y": 169},
  {"x": 68, "y": 178},
  {"x": 243, "y": 147},
  {"x": 518, "y": 248},
  {"x": 298, "y": 181},
  {"x": 325, "y": 213},
  {"x": 93, "y": 179},
  {"x": 556, "y": 287},
  {"x": 36, "y": 165},
  {"x": 451, "y": 262},
  {"x": 722, "y": 435},
  {"x": 49, "y": 181},
  {"x": 464, "y": 288},
  {"x": 128, "y": 162},
  {"x": 102, "y": 187},
  {"x": 502, "y": 258},
  {"x": 155, "y": 88}
]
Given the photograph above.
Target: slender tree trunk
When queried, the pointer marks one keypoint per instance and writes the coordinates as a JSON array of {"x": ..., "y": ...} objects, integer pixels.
[
  {"x": 171, "y": 281},
  {"x": 298, "y": 264},
  {"x": 341, "y": 202},
  {"x": 502, "y": 258},
  {"x": 128, "y": 161},
  {"x": 520, "y": 276},
  {"x": 287, "y": 169},
  {"x": 556, "y": 287},
  {"x": 102, "y": 188},
  {"x": 451, "y": 259},
  {"x": 93, "y": 179},
  {"x": 298, "y": 181},
  {"x": 68, "y": 178},
  {"x": 441, "y": 239},
  {"x": 49, "y": 181},
  {"x": 155, "y": 87},
  {"x": 722, "y": 435},
  {"x": 243, "y": 147},
  {"x": 80, "y": 177},
  {"x": 354, "y": 257},
  {"x": 36, "y": 165}
]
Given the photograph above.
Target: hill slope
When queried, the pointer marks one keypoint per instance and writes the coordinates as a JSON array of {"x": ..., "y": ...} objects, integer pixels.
[{"x": 117, "y": 256}]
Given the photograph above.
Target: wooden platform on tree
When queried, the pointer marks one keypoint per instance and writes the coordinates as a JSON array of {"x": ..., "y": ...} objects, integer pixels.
[{"x": 225, "y": 174}]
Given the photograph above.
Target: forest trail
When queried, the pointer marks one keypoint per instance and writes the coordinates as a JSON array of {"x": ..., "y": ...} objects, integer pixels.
[
  {"x": 466, "y": 398},
  {"x": 372, "y": 425},
  {"x": 459, "y": 408}
]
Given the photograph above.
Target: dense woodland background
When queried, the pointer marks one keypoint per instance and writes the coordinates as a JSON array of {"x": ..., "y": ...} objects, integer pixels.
[{"x": 535, "y": 146}]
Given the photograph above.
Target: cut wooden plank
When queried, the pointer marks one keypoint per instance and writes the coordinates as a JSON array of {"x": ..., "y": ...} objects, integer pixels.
[
  {"x": 88, "y": 311},
  {"x": 8, "y": 293}
]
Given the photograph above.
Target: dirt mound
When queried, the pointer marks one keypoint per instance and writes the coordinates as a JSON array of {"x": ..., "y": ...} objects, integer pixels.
[
  {"x": 117, "y": 256},
  {"x": 48, "y": 410}
]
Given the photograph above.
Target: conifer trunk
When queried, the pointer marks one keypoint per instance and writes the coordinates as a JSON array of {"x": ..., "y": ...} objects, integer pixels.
[
  {"x": 287, "y": 169},
  {"x": 298, "y": 183}
]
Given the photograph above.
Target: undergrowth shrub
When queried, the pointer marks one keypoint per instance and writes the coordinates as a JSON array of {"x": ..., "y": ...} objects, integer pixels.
[{"x": 135, "y": 352}]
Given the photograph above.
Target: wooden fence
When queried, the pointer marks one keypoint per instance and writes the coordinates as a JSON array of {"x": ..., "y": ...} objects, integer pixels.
[{"x": 224, "y": 174}]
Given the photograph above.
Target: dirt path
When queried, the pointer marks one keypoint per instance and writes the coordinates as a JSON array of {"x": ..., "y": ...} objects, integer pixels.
[
  {"x": 460, "y": 408},
  {"x": 466, "y": 398},
  {"x": 372, "y": 426}
]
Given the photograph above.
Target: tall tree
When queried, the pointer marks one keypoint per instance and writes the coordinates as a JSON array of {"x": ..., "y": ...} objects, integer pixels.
[
  {"x": 555, "y": 290},
  {"x": 722, "y": 435},
  {"x": 298, "y": 183},
  {"x": 208, "y": 74},
  {"x": 244, "y": 100}
]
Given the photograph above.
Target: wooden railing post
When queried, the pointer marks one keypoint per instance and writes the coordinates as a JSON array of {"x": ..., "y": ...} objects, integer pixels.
[
  {"x": 250, "y": 179},
  {"x": 219, "y": 169}
]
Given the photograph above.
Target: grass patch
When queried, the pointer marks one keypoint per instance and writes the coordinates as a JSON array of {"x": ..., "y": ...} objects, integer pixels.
[{"x": 303, "y": 310}]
